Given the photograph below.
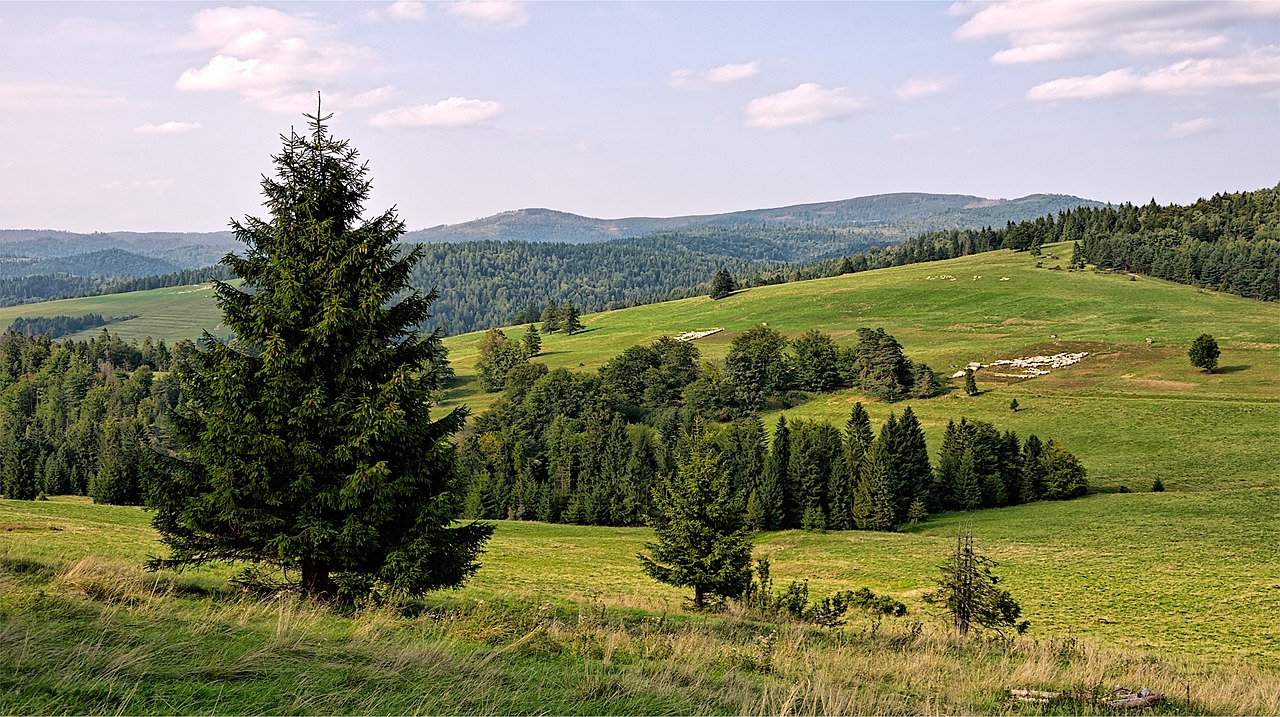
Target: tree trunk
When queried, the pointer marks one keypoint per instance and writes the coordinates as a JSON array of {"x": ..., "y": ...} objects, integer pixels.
[
  {"x": 316, "y": 582},
  {"x": 698, "y": 600}
]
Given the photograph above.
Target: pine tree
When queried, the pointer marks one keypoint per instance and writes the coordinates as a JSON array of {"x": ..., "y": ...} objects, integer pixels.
[
  {"x": 569, "y": 320},
  {"x": 778, "y": 500},
  {"x": 532, "y": 341},
  {"x": 308, "y": 445},
  {"x": 968, "y": 486},
  {"x": 722, "y": 284},
  {"x": 1204, "y": 353},
  {"x": 873, "y": 505},
  {"x": 551, "y": 318},
  {"x": 700, "y": 539},
  {"x": 968, "y": 593},
  {"x": 970, "y": 385}
]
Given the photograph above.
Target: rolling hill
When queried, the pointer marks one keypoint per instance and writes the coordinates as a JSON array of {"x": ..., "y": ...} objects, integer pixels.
[
  {"x": 896, "y": 214},
  {"x": 1172, "y": 590}
]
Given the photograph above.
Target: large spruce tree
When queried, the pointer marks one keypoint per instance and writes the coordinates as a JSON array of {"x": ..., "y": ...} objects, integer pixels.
[
  {"x": 307, "y": 443},
  {"x": 701, "y": 539}
]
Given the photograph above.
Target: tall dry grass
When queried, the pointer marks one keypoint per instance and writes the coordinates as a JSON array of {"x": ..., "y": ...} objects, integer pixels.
[{"x": 102, "y": 638}]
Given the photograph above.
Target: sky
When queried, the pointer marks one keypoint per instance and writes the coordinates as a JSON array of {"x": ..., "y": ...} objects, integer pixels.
[{"x": 147, "y": 116}]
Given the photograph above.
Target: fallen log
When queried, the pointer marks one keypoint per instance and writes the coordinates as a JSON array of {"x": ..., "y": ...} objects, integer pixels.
[{"x": 1118, "y": 699}]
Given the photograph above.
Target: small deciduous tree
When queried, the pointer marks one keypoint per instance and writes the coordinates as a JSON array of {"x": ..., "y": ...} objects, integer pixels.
[
  {"x": 701, "y": 539},
  {"x": 969, "y": 595},
  {"x": 1204, "y": 353},
  {"x": 970, "y": 385}
]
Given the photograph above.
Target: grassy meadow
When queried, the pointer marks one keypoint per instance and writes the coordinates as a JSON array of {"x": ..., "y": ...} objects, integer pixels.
[{"x": 1177, "y": 591}]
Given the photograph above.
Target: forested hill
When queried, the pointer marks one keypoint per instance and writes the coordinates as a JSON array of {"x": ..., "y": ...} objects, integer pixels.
[{"x": 901, "y": 214}]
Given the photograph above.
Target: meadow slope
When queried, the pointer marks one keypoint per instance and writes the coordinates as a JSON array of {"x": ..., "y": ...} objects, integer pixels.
[{"x": 1189, "y": 571}]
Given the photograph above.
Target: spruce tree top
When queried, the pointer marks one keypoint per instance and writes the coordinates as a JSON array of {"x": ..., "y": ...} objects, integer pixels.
[{"x": 307, "y": 443}]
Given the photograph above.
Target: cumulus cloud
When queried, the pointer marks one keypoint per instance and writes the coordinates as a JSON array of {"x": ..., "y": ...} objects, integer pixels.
[
  {"x": 472, "y": 14},
  {"x": 451, "y": 113},
  {"x": 264, "y": 54},
  {"x": 1191, "y": 128},
  {"x": 1036, "y": 31},
  {"x": 51, "y": 97},
  {"x": 1198, "y": 76},
  {"x": 167, "y": 128},
  {"x": 807, "y": 104},
  {"x": 686, "y": 79},
  {"x": 407, "y": 10},
  {"x": 920, "y": 87}
]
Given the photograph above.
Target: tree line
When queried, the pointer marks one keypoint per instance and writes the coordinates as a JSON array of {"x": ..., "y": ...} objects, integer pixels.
[
  {"x": 590, "y": 447},
  {"x": 49, "y": 287},
  {"x": 85, "y": 417},
  {"x": 58, "y": 326}
]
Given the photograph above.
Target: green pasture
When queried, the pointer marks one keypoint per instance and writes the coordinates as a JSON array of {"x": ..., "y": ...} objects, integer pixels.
[{"x": 1167, "y": 573}]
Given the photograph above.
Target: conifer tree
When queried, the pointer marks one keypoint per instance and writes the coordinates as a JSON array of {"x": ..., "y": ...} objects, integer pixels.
[
  {"x": 968, "y": 486},
  {"x": 873, "y": 504},
  {"x": 775, "y": 493},
  {"x": 308, "y": 444},
  {"x": 970, "y": 385},
  {"x": 1204, "y": 353},
  {"x": 722, "y": 284},
  {"x": 551, "y": 318},
  {"x": 700, "y": 541},
  {"x": 569, "y": 318},
  {"x": 532, "y": 341}
]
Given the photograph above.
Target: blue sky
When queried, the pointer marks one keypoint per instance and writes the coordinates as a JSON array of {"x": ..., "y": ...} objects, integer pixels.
[{"x": 162, "y": 116}]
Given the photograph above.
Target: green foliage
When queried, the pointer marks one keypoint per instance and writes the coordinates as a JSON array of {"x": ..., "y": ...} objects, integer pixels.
[
  {"x": 1013, "y": 405},
  {"x": 968, "y": 593},
  {"x": 757, "y": 366},
  {"x": 700, "y": 539},
  {"x": 532, "y": 341},
  {"x": 498, "y": 357},
  {"x": 75, "y": 416},
  {"x": 722, "y": 284},
  {"x": 308, "y": 443},
  {"x": 1204, "y": 353},
  {"x": 816, "y": 362},
  {"x": 877, "y": 366},
  {"x": 970, "y": 385}
]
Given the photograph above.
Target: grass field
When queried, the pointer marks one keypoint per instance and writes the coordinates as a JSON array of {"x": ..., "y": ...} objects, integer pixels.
[
  {"x": 172, "y": 313},
  {"x": 1180, "y": 588},
  {"x": 560, "y": 619}
]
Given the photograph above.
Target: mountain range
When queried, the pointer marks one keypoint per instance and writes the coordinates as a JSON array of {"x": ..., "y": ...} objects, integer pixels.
[{"x": 898, "y": 213}]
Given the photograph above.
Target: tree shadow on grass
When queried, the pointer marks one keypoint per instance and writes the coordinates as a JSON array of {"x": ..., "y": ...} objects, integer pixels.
[{"x": 1232, "y": 369}]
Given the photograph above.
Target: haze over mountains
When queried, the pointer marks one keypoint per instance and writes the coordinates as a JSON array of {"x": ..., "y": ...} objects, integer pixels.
[
  {"x": 907, "y": 211},
  {"x": 878, "y": 218}
]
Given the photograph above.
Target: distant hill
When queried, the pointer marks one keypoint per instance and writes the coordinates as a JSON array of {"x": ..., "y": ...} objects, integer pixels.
[
  {"x": 185, "y": 250},
  {"x": 898, "y": 214},
  {"x": 108, "y": 262}
]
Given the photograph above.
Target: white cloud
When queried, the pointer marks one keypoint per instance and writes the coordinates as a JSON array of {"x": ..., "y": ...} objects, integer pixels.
[
  {"x": 686, "y": 79},
  {"x": 265, "y": 55},
  {"x": 807, "y": 104},
  {"x": 61, "y": 98},
  {"x": 451, "y": 113},
  {"x": 407, "y": 10},
  {"x": 167, "y": 128},
  {"x": 1260, "y": 68},
  {"x": 1036, "y": 31},
  {"x": 920, "y": 87},
  {"x": 479, "y": 14},
  {"x": 1191, "y": 128}
]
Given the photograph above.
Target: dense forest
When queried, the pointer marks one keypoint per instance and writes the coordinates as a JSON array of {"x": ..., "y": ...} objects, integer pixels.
[
  {"x": 589, "y": 448},
  {"x": 56, "y": 327},
  {"x": 82, "y": 417},
  {"x": 49, "y": 287}
]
